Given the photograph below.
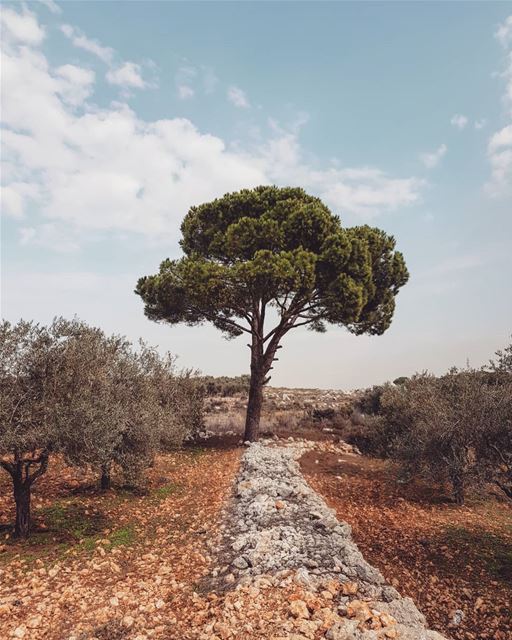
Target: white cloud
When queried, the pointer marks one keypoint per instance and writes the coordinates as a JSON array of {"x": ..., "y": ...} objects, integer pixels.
[
  {"x": 369, "y": 194},
  {"x": 504, "y": 32},
  {"x": 459, "y": 121},
  {"x": 432, "y": 159},
  {"x": 190, "y": 80},
  {"x": 87, "y": 169},
  {"x": 15, "y": 197},
  {"x": 83, "y": 42},
  {"x": 185, "y": 92},
  {"x": 127, "y": 75},
  {"x": 237, "y": 97},
  {"x": 50, "y": 236},
  {"x": 12, "y": 202},
  {"x": 185, "y": 79},
  {"x": 21, "y": 27},
  {"x": 501, "y": 173},
  {"x": 77, "y": 83},
  {"x": 500, "y": 157},
  {"x": 499, "y": 148},
  {"x": 480, "y": 124},
  {"x": 502, "y": 138},
  {"x": 51, "y": 6},
  {"x": 363, "y": 191}
]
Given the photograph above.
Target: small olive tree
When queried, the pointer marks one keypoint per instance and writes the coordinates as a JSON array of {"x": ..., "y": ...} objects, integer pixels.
[
  {"x": 385, "y": 414},
  {"x": 502, "y": 364},
  {"x": 70, "y": 389},
  {"x": 444, "y": 428},
  {"x": 152, "y": 418},
  {"x": 497, "y": 444},
  {"x": 130, "y": 406},
  {"x": 35, "y": 403},
  {"x": 100, "y": 377}
]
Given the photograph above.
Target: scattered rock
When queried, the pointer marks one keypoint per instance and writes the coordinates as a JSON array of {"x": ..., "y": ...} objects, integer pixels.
[
  {"x": 457, "y": 617},
  {"x": 349, "y": 588},
  {"x": 289, "y": 536},
  {"x": 299, "y": 609},
  {"x": 240, "y": 563},
  {"x": 128, "y": 621}
]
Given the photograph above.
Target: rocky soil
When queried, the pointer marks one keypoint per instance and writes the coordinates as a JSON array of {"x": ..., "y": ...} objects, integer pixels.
[
  {"x": 282, "y": 537},
  {"x": 454, "y": 562},
  {"x": 136, "y": 575},
  {"x": 218, "y": 551}
]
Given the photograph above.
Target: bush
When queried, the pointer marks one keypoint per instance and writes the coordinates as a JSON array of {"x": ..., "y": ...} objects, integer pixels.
[
  {"x": 322, "y": 415},
  {"x": 498, "y": 441},
  {"x": 380, "y": 415},
  {"x": 225, "y": 386},
  {"x": 69, "y": 388},
  {"x": 456, "y": 427},
  {"x": 38, "y": 398}
]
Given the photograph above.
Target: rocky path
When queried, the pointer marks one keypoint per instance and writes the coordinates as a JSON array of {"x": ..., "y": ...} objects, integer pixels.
[{"x": 289, "y": 569}]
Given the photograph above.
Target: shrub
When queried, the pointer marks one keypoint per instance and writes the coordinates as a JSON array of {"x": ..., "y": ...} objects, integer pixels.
[
  {"x": 368, "y": 401},
  {"x": 321, "y": 415},
  {"x": 497, "y": 445},
  {"x": 225, "y": 386},
  {"x": 380, "y": 415},
  {"x": 503, "y": 363},
  {"x": 135, "y": 404},
  {"x": 456, "y": 427},
  {"x": 69, "y": 388},
  {"x": 37, "y": 400}
]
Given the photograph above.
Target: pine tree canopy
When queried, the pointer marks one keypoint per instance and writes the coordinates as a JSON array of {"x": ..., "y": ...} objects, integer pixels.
[{"x": 277, "y": 247}]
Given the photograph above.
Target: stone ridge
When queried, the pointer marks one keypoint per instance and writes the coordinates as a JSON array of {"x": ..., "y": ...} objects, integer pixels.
[{"x": 277, "y": 522}]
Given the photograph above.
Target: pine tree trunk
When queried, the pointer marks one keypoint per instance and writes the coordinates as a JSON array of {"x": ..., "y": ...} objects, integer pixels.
[
  {"x": 261, "y": 363},
  {"x": 22, "y": 499},
  {"x": 105, "y": 480},
  {"x": 254, "y": 404}
]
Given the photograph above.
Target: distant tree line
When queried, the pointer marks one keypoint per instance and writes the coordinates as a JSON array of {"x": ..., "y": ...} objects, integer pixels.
[
  {"x": 70, "y": 389},
  {"x": 225, "y": 386},
  {"x": 456, "y": 427}
]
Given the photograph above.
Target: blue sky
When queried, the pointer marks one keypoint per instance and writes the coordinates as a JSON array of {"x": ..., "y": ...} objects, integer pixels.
[{"x": 118, "y": 116}]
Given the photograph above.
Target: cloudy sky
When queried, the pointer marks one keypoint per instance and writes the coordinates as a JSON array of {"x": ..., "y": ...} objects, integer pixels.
[{"x": 118, "y": 116}]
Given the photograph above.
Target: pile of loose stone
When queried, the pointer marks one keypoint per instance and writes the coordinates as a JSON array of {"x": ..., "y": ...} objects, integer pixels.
[{"x": 280, "y": 533}]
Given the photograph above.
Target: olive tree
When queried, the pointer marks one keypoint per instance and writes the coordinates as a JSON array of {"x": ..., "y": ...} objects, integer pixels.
[
  {"x": 35, "y": 403},
  {"x": 153, "y": 418},
  {"x": 100, "y": 377},
  {"x": 279, "y": 255},
  {"x": 497, "y": 446},
  {"x": 129, "y": 405},
  {"x": 503, "y": 362},
  {"x": 445, "y": 428}
]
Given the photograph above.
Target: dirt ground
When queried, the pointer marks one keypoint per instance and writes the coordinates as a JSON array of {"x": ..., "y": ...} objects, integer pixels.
[
  {"x": 447, "y": 558},
  {"x": 114, "y": 565},
  {"x": 124, "y": 566}
]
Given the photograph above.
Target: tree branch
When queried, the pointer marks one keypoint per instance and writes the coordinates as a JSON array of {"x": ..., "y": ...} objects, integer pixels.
[
  {"x": 213, "y": 317},
  {"x": 8, "y": 466},
  {"x": 43, "y": 459}
]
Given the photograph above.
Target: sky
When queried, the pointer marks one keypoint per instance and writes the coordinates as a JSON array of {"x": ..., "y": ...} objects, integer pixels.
[{"x": 119, "y": 116}]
